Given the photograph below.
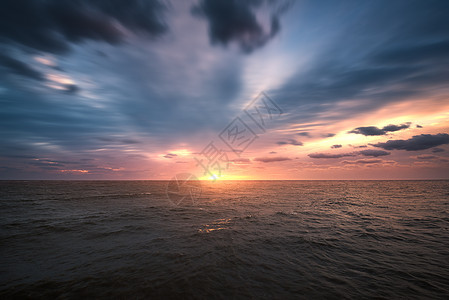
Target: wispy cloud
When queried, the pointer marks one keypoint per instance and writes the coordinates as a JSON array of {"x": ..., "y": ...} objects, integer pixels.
[
  {"x": 271, "y": 159},
  {"x": 291, "y": 142},
  {"x": 116, "y": 89}
]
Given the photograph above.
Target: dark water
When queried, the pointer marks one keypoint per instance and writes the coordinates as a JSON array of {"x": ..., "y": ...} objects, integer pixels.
[{"x": 253, "y": 239}]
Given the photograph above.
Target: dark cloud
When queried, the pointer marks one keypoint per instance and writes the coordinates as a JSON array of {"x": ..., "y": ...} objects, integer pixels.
[
  {"x": 71, "y": 88},
  {"x": 416, "y": 143},
  {"x": 436, "y": 150},
  {"x": 336, "y": 146},
  {"x": 392, "y": 128},
  {"x": 374, "y": 153},
  {"x": 236, "y": 21},
  {"x": 271, "y": 159},
  {"x": 272, "y": 152},
  {"x": 51, "y": 25},
  {"x": 373, "y": 130},
  {"x": 304, "y": 134},
  {"x": 418, "y": 126},
  {"x": 361, "y": 146},
  {"x": 170, "y": 155},
  {"x": 328, "y": 135},
  {"x": 17, "y": 67},
  {"x": 368, "y": 130},
  {"x": 328, "y": 155},
  {"x": 291, "y": 142}
]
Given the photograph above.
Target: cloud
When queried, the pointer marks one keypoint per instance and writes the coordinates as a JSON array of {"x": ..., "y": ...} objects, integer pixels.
[
  {"x": 236, "y": 21},
  {"x": 361, "y": 146},
  {"x": 328, "y": 135},
  {"x": 374, "y": 153},
  {"x": 426, "y": 156},
  {"x": 436, "y": 150},
  {"x": 307, "y": 134},
  {"x": 328, "y": 155},
  {"x": 418, "y": 126},
  {"x": 431, "y": 157},
  {"x": 241, "y": 161},
  {"x": 170, "y": 155},
  {"x": 159, "y": 95},
  {"x": 116, "y": 140},
  {"x": 16, "y": 66},
  {"x": 71, "y": 88},
  {"x": 291, "y": 142},
  {"x": 369, "y": 152},
  {"x": 362, "y": 161},
  {"x": 51, "y": 25},
  {"x": 416, "y": 143},
  {"x": 369, "y": 130},
  {"x": 129, "y": 141},
  {"x": 336, "y": 146},
  {"x": 367, "y": 78},
  {"x": 424, "y": 53},
  {"x": 271, "y": 159},
  {"x": 392, "y": 128},
  {"x": 373, "y": 130}
]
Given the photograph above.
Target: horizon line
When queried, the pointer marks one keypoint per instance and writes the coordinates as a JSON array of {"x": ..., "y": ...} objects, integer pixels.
[{"x": 223, "y": 180}]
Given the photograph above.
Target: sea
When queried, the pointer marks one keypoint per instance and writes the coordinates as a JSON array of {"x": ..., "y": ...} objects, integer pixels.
[{"x": 233, "y": 240}]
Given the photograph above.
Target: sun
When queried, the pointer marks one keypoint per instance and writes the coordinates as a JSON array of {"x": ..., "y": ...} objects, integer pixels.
[{"x": 224, "y": 177}]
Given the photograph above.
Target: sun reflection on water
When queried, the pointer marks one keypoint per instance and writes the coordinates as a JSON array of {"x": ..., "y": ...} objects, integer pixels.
[{"x": 219, "y": 224}]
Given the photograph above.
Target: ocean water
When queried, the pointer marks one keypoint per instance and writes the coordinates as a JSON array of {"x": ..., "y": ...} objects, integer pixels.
[{"x": 239, "y": 240}]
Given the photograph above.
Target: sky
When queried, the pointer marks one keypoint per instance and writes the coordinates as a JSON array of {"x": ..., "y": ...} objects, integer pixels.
[{"x": 143, "y": 90}]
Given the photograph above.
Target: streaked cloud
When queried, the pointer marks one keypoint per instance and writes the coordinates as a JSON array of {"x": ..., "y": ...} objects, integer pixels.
[
  {"x": 271, "y": 159},
  {"x": 18, "y": 67},
  {"x": 329, "y": 155},
  {"x": 52, "y": 25},
  {"x": 290, "y": 142},
  {"x": 362, "y": 161},
  {"x": 135, "y": 90}
]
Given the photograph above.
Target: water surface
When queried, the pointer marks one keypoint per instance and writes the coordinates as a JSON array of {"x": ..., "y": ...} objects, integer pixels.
[{"x": 241, "y": 239}]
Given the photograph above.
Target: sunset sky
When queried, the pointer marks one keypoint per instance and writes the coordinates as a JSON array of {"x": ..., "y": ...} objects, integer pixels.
[{"x": 137, "y": 89}]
